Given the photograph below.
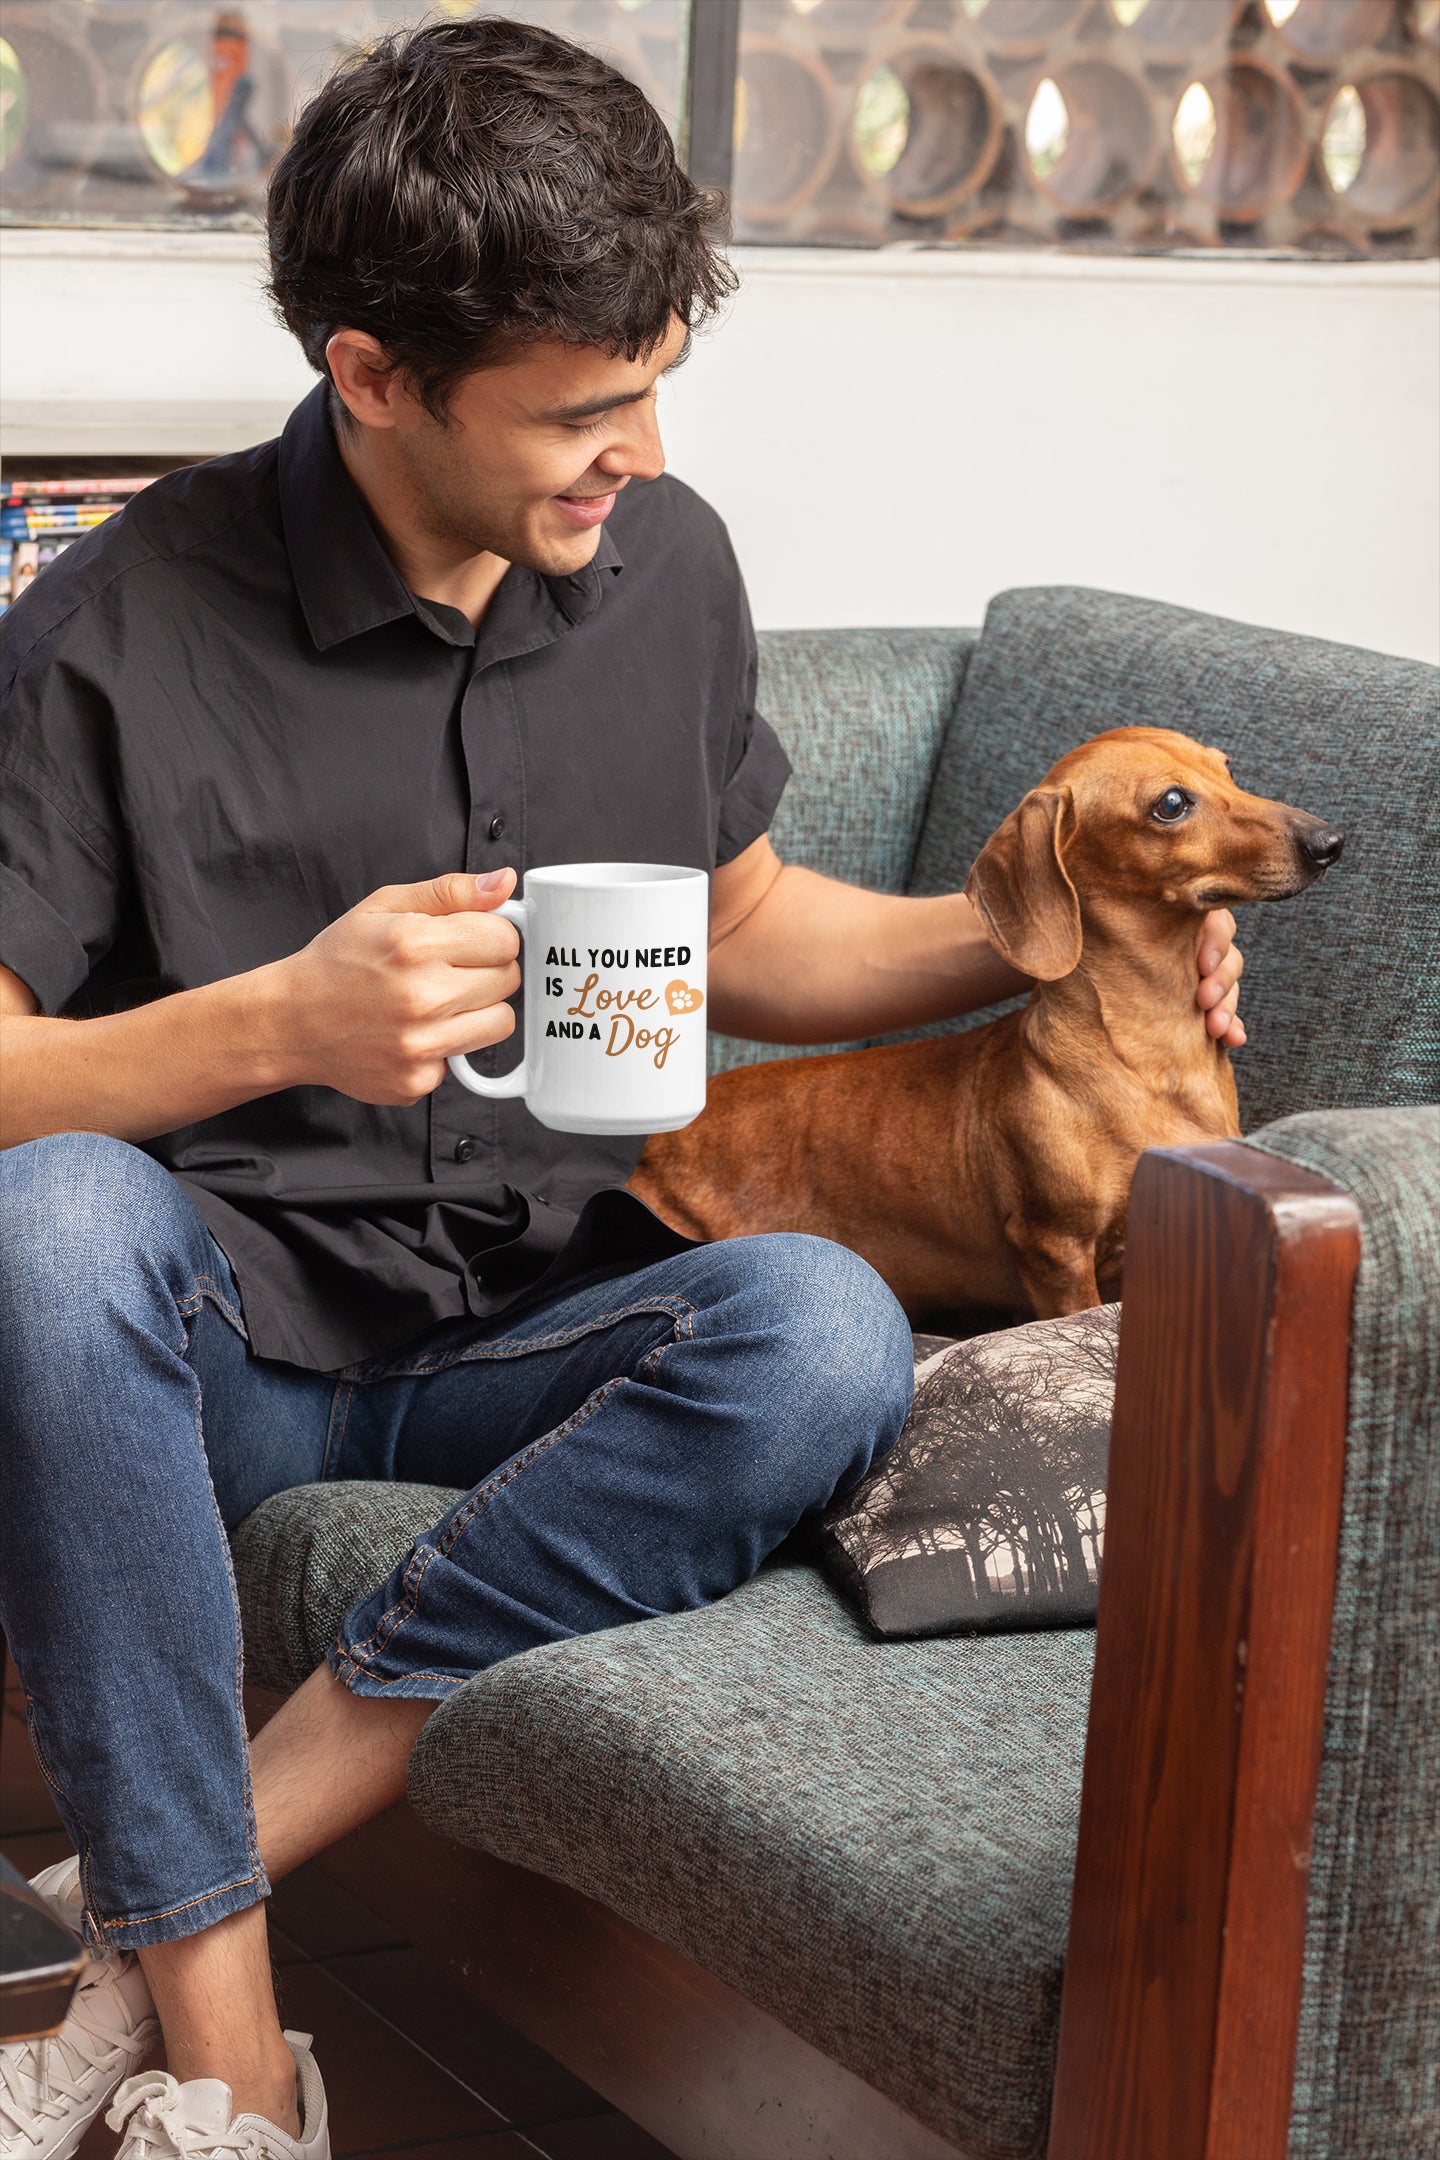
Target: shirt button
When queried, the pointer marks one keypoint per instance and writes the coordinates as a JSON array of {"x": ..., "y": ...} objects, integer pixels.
[
  {"x": 497, "y": 828},
  {"x": 465, "y": 1150}
]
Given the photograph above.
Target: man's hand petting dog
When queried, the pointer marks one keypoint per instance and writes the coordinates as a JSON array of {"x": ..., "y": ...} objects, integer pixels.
[{"x": 1221, "y": 965}]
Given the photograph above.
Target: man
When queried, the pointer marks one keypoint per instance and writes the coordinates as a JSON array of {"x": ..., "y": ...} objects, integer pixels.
[{"x": 277, "y": 742}]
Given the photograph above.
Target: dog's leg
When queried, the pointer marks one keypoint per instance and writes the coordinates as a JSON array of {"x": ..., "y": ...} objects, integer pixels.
[{"x": 1057, "y": 1269}]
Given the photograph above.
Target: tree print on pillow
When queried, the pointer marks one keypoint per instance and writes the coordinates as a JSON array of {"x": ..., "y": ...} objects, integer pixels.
[{"x": 989, "y": 1511}]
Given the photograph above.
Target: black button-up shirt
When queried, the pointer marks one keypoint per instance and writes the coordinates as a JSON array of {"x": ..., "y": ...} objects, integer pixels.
[{"x": 226, "y": 720}]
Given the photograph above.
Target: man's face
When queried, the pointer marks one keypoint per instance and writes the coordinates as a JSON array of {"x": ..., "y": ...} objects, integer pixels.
[{"x": 536, "y": 446}]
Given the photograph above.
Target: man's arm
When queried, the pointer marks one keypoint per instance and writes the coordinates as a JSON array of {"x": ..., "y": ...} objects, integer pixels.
[
  {"x": 799, "y": 958},
  {"x": 372, "y": 1007}
]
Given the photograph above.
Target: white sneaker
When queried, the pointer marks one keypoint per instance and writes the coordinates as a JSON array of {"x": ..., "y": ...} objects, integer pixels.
[
  {"x": 52, "y": 2090},
  {"x": 165, "y": 2121}
]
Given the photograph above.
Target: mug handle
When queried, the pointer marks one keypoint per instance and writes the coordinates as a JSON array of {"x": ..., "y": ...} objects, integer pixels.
[{"x": 512, "y": 1083}]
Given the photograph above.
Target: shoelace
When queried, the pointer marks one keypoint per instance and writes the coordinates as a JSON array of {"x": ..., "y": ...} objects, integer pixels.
[
  {"x": 145, "y": 2109},
  {"x": 38, "y": 2078}
]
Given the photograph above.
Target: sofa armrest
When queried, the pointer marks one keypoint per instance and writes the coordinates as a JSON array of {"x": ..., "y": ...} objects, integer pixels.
[{"x": 1183, "y": 1972}]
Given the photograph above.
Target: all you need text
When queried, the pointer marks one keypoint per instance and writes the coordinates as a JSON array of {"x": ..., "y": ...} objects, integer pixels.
[{"x": 622, "y": 1006}]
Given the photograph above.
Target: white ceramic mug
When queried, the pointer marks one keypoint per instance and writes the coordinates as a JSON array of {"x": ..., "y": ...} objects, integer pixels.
[{"x": 614, "y": 998}]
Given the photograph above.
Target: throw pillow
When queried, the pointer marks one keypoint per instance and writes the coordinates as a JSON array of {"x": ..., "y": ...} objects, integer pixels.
[{"x": 989, "y": 1511}]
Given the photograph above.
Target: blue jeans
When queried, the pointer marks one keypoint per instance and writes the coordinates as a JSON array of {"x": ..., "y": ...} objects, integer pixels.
[{"x": 633, "y": 1444}]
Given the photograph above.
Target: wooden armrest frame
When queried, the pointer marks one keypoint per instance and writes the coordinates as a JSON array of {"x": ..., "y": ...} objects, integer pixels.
[{"x": 1227, "y": 1461}]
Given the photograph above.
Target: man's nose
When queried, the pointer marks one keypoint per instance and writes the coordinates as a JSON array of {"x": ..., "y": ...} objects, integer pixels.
[{"x": 641, "y": 454}]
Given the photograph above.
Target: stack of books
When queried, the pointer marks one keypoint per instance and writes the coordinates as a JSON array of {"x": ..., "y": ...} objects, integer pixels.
[{"x": 39, "y": 519}]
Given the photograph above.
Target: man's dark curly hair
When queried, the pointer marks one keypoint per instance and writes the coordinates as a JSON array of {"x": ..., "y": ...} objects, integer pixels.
[{"x": 483, "y": 181}]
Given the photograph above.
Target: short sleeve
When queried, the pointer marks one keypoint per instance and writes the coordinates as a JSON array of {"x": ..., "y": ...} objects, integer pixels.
[
  {"x": 60, "y": 862},
  {"x": 758, "y": 767}
]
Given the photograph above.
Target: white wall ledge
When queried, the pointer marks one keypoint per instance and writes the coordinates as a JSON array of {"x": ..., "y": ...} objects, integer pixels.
[{"x": 902, "y": 260}]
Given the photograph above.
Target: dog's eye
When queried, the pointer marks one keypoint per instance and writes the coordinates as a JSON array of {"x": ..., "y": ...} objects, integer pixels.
[{"x": 1172, "y": 806}]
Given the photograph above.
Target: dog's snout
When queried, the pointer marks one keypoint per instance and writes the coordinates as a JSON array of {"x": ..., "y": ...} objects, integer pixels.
[{"x": 1320, "y": 843}]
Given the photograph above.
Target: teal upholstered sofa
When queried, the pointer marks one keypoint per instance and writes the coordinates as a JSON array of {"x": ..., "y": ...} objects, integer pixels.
[{"x": 779, "y": 1889}]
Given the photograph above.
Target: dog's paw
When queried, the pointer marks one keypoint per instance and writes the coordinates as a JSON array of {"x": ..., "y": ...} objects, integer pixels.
[{"x": 682, "y": 997}]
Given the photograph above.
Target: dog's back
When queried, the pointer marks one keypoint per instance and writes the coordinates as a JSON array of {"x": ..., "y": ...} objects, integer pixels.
[{"x": 868, "y": 1147}]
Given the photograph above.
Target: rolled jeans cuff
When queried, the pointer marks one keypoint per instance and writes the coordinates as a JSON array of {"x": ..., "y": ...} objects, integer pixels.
[
  {"x": 365, "y": 1679},
  {"x": 189, "y": 1917}
]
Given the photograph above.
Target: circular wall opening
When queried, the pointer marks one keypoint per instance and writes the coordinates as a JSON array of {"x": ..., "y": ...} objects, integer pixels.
[
  {"x": 1047, "y": 128},
  {"x": 175, "y": 107},
  {"x": 1171, "y": 29},
  {"x": 52, "y": 99},
  {"x": 882, "y": 121},
  {"x": 927, "y": 129},
  {"x": 1326, "y": 30},
  {"x": 785, "y": 128},
  {"x": 211, "y": 106},
  {"x": 1342, "y": 139},
  {"x": 1380, "y": 148},
  {"x": 1019, "y": 28},
  {"x": 1193, "y": 132},
  {"x": 1089, "y": 136},
  {"x": 14, "y": 102},
  {"x": 1239, "y": 139}
]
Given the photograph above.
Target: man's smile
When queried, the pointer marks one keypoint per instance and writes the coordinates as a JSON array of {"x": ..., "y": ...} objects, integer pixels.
[{"x": 586, "y": 509}]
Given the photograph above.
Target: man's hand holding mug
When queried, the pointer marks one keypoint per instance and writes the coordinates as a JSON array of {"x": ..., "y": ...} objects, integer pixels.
[
  {"x": 415, "y": 976},
  {"x": 377, "y": 1002}
]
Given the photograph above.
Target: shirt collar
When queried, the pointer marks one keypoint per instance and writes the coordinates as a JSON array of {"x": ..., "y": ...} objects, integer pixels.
[{"x": 346, "y": 581}]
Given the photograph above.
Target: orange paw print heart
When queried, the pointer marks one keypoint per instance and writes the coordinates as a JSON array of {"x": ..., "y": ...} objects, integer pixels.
[{"x": 682, "y": 998}]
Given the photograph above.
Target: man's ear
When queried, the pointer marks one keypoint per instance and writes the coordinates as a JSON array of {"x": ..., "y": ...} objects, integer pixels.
[
  {"x": 1022, "y": 890},
  {"x": 366, "y": 380}
]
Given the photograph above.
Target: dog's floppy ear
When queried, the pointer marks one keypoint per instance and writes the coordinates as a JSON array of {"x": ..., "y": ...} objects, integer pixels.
[{"x": 1022, "y": 890}]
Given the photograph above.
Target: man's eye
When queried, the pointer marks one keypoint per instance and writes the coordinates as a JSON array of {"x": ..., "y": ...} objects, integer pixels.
[{"x": 1172, "y": 806}]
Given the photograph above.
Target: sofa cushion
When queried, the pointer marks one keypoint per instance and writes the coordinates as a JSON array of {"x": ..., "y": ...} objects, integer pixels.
[
  {"x": 874, "y": 1841},
  {"x": 303, "y": 1558},
  {"x": 862, "y": 714},
  {"x": 1367, "y": 2066},
  {"x": 1342, "y": 986},
  {"x": 988, "y": 1513}
]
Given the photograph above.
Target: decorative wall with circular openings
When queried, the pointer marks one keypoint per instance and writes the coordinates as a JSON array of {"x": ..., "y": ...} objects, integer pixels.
[
  {"x": 1292, "y": 126},
  {"x": 1308, "y": 127},
  {"x": 172, "y": 112}
]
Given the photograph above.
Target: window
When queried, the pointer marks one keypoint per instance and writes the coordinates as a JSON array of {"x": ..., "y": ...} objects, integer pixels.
[
  {"x": 1300, "y": 126},
  {"x": 1306, "y": 125},
  {"x": 149, "y": 112}
]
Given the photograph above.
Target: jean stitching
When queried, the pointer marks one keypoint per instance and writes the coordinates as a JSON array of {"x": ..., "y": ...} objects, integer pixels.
[
  {"x": 449, "y": 1680},
  {"x": 31, "y": 1714},
  {"x": 405, "y": 1606},
  {"x": 650, "y": 1363},
  {"x": 145, "y": 1919},
  {"x": 206, "y": 1286},
  {"x": 416, "y": 1561},
  {"x": 42, "y": 1761},
  {"x": 251, "y": 1848},
  {"x": 521, "y": 1345},
  {"x": 335, "y": 1443}
]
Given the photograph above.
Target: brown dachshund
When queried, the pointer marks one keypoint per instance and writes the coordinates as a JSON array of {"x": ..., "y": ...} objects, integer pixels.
[{"x": 993, "y": 1167}]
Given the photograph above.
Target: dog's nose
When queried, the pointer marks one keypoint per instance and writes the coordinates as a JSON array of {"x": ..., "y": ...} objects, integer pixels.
[{"x": 1322, "y": 845}]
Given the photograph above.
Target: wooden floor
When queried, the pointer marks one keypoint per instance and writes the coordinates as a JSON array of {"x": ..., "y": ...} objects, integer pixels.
[{"x": 412, "y": 2063}]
